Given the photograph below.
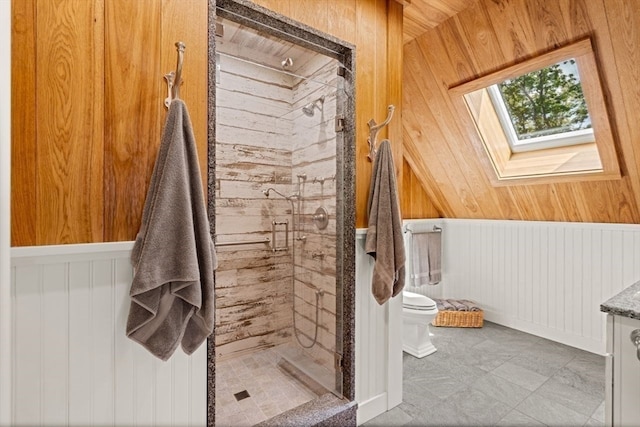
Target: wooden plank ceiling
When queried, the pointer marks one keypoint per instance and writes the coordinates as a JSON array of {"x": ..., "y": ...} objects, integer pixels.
[
  {"x": 422, "y": 15},
  {"x": 493, "y": 34}
]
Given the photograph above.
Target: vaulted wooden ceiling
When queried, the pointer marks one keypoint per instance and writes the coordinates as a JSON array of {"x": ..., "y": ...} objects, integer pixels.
[
  {"x": 490, "y": 35},
  {"x": 422, "y": 15}
]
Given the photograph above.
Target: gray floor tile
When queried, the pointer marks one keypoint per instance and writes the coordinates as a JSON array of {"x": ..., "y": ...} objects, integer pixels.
[
  {"x": 453, "y": 385},
  {"x": 588, "y": 363},
  {"x": 414, "y": 369},
  {"x": 444, "y": 414},
  {"x": 441, "y": 385},
  {"x": 553, "y": 353},
  {"x": 523, "y": 377},
  {"x": 479, "y": 406},
  {"x": 394, "y": 417},
  {"x": 590, "y": 384},
  {"x": 593, "y": 423},
  {"x": 414, "y": 410},
  {"x": 505, "y": 391},
  {"x": 550, "y": 412},
  {"x": 457, "y": 367},
  {"x": 419, "y": 395},
  {"x": 481, "y": 359},
  {"x": 598, "y": 414},
  {"x": 512, "y": 349},
  {"x": 536, "y": 364},
  {"x": 569, "y": 396},
  {"x": 516, "y": 418}
]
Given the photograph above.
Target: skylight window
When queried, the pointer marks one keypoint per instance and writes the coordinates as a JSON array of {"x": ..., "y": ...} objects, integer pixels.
[
  {"x": 542, "y": 120},
  {"x": 544, "y": 108}
]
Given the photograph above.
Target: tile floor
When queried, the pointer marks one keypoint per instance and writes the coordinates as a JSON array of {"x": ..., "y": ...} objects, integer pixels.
[
  {"x": 499, "y": 376},
  {"x": 271, "y": 390}
]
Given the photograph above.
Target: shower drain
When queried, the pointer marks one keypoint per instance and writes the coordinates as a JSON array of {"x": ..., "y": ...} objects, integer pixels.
[{"x": 241, "y": 395}]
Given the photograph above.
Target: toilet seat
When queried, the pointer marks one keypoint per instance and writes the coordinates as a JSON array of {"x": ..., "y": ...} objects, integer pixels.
[{"x": 413, "y": 301}]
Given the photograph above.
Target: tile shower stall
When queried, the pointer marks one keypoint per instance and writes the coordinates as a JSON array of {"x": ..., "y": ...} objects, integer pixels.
[{"x": 277, "y": 302}]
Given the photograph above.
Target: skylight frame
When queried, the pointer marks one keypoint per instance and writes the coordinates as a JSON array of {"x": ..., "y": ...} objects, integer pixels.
[
  {"x": 582, "y": 162},
  {"x": 517, "y": 145}
]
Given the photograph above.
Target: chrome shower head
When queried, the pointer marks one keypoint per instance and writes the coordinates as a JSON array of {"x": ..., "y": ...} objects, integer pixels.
[{"x": 309, "y": 109}]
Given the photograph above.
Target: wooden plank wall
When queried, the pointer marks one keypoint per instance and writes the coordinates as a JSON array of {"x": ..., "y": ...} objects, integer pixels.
[
  {"x": 87, "y": 111},
  {"x": 491, "y": 35},
  {"x": 415, "y": 202},
  {"x": 81, "y": 174}
]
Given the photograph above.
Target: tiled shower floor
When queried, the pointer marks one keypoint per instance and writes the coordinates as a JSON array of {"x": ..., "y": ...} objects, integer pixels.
[{"x": 271, "y": 390}]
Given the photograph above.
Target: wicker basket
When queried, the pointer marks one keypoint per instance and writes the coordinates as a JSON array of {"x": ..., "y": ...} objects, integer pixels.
[{"x": 459, "y": 319}]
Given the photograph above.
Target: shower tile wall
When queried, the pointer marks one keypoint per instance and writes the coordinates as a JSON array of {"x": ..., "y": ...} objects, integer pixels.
[
  {"x": 253, "y": 284},
  {"x": 314, "y": 154}
]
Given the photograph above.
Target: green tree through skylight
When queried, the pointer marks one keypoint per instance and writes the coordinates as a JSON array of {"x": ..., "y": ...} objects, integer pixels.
[{"x": 546, "y": 102}]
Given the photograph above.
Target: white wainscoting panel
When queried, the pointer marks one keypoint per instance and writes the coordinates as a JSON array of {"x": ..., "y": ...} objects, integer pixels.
[
  {"x": 544, "y": 278},
  {"x": 378, "y": 343},
  {"x": 72, "y": 362}
]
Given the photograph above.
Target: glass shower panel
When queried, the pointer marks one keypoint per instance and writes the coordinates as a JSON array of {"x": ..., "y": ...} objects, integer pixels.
[{"x": 276, "y": 155}]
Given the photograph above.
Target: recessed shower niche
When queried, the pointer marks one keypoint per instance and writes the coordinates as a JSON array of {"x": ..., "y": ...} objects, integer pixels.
[{"x": 283, "y": 213}]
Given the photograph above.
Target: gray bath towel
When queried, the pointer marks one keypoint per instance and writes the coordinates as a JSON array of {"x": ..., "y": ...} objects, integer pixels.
[
  {"x": 384, "y": 240},
  {"x": 443, "y": 305},
  {"x": 172, "y": 295},
  {"x": 459, "y": 305},
  {"x": 471, "y": 306},
  {"x": 426, "y": 260}
]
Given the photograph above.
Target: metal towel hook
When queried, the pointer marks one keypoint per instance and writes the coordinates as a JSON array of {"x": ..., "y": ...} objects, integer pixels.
[
  {"x": 373, "y": 131},
  {"x": 174, "y": 78}
]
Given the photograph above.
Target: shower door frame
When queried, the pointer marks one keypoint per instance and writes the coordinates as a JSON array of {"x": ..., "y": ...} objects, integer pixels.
[{"x": 252, "y": 15}]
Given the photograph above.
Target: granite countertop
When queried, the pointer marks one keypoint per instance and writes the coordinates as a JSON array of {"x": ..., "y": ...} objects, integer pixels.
[{"x": 624, "y": 304}]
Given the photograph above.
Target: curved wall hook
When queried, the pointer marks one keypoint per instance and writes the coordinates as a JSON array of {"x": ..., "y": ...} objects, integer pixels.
[
  {"x": 374, "y": 129},
  {"x": 174, "y": 78}
]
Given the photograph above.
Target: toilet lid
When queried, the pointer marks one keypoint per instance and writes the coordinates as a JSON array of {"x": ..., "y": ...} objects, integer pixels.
[{"x": 416, "y": 301}]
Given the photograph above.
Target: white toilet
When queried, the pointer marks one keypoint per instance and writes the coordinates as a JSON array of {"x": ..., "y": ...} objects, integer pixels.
[{"x": 417, "y": 313}]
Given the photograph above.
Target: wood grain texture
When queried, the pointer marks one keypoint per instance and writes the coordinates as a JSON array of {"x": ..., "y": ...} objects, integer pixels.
[
  {"x": 131, "y": 145},
  {"x": 89, "y": 114},
  {"x": 422, "y": 15},
  {"x": 415, "y": 201},
  {"x": 23, "y": 123},
  {"x": 179, "y": 18},
  {"x": 492, "y": 35},
  {"x": 394, "y": 86},
  {"x": 138, "y": 51},
  {"x": 69, "y": 121}
]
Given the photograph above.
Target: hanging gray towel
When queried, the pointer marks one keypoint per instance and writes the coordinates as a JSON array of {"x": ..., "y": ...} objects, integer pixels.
[
  {"x": 172, "y": 294},
  {"x": 426, "y": 249},
  {"x": 384, "y": 240}
]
